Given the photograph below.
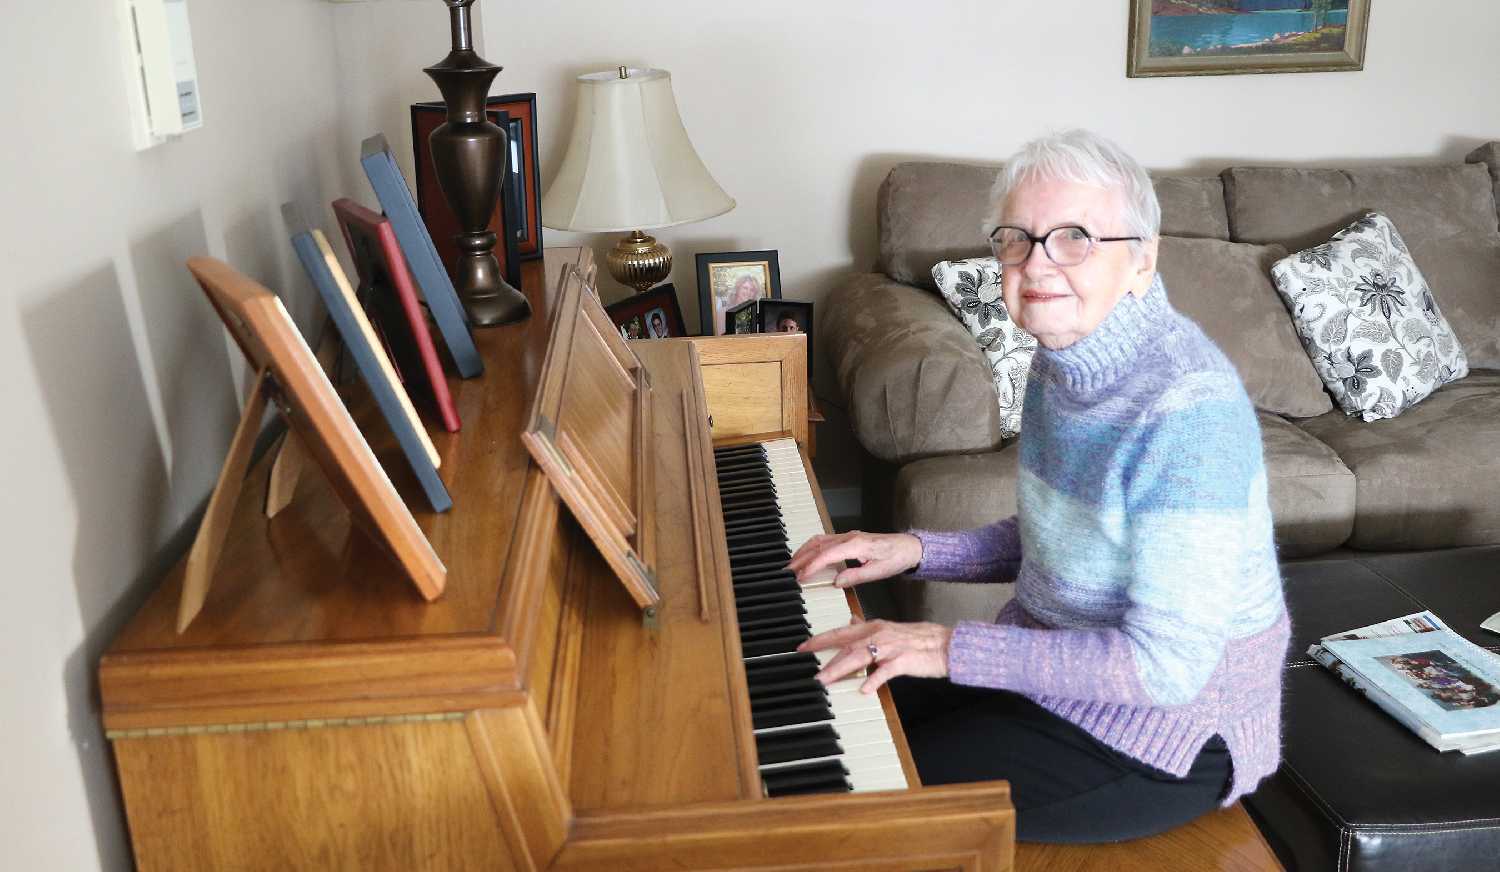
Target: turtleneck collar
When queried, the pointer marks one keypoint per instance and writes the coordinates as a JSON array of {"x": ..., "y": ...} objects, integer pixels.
[{"x": 1100, "y": 358}]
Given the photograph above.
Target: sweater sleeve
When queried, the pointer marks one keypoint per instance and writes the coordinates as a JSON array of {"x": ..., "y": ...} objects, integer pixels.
[
  {"x": 988, "y": 553},
  {"x": 1190, "y": 493}
]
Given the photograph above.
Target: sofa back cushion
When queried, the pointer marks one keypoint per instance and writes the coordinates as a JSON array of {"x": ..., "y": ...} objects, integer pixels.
[
  {"x": 930, "y": 212},
  {"x": 1299, "y": 208},
  {"x": 1446, "y": 215},
  {"x": 1226, "y": 288}
]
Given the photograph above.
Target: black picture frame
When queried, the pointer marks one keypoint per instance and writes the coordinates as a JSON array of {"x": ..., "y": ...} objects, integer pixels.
[
  {"x": 523, "y": 126},
  {"x": 719, "y": 275},
  {"x": 772, "y": 313},
  {"x": 635, "y": 316},
  {"x": 742, "y": 319}
]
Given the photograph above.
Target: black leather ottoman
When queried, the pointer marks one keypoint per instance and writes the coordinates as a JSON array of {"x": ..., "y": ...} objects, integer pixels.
[{"x": 1356, "y": 790}]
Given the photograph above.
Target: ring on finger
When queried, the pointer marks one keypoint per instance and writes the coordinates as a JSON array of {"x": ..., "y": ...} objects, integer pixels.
[{"x": 874, "y": 652}]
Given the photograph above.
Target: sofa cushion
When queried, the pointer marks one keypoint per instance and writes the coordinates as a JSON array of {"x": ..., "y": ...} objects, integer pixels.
[
  {"x": 972, "y": 289},
  {"x": 1299, "y": 208},
  {"x": 1374, "y": 331},
  {"x": 1488, "y": 155},
  {"x": 914, "y": 382},
  {"x": 1464, "y": 275},
  {"x": 1310, "y": 490},
  {"x": 1428, "y": 478},
  {"x": 929, "y": 212},
  {"x": 1226, "y": 288},
  {"x": 958, "y": 492}
]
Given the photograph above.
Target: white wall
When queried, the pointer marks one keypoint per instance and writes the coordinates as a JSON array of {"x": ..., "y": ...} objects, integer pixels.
[
  {"x": 800, "y": 107},
  {"x": 118, "y": 389}
]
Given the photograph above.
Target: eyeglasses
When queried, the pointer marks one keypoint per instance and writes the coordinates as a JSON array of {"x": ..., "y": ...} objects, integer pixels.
[{"x": 1068, "y": 245}]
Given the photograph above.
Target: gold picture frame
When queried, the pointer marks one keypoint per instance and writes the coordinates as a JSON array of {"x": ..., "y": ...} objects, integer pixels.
[{"x": 1197, "y": 41}]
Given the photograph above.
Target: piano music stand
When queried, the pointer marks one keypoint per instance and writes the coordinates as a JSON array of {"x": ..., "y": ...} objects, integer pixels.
[
  {"x": 288, "y": 375},
  {"x": 590, "y": 432}
]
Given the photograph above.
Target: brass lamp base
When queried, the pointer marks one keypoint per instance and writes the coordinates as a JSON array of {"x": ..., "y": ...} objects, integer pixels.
[{"x": 639, "y": 261}]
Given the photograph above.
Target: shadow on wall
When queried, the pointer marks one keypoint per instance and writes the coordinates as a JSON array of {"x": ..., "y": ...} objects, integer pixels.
[
  {"x": 81, "y": 349},
  {"x": 137, "y": 479}
]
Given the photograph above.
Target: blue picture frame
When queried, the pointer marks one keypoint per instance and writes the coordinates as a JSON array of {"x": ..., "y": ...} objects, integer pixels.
[
  {"x": 381, "y": 388},
  {"x": 421, "y": 255}
]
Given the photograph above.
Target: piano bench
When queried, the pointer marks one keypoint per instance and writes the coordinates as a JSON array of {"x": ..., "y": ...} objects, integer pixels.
[{"x": 1223, "y": 840}]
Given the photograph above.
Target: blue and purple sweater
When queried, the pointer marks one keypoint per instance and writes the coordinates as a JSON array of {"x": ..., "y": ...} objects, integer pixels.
[{"x": 1148, "y": 607}]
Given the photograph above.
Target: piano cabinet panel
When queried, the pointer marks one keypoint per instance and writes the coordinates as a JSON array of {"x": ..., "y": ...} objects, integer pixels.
[
  {"x": 969, "y": 827},
  {"x": 387, "y": 796}
]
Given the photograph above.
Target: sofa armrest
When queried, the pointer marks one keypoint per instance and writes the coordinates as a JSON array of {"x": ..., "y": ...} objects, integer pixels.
[{"x": 915, "y": 382}]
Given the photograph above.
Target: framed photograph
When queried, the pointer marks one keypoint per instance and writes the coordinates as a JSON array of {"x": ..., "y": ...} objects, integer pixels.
[
  {"x": 789, "y": 316},
  {"x": 421, "y": 255},
  {"x": 1179, "y": 38},
  {"x": 524, "y": 169},
  {"x": 742, "y": 319},
  {"x": 729, "y": 278},
  {"x": 652, "y": 315}
]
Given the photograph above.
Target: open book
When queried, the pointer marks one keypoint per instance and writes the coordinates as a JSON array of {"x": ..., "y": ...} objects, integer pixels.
[{"x": 1433, "y": 681}]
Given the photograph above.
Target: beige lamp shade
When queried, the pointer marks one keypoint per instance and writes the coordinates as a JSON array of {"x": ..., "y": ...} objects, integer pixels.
[{"x": 629, "y": 163}]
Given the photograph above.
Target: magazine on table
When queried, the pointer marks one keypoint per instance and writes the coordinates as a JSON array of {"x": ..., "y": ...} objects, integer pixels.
[{"x": 1433, "y": 681}]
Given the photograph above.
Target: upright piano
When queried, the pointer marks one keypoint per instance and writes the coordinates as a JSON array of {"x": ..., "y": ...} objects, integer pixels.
[{"x": 318, "y": 714}]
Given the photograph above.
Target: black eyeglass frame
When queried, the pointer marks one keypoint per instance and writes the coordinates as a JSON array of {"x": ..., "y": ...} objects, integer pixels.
[{"x": 1031, "y": 242}]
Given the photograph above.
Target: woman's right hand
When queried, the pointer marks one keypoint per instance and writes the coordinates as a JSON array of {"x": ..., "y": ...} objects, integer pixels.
[{"x": 880, "y": 555}]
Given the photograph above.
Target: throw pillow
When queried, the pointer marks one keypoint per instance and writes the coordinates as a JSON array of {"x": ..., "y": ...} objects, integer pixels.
[
  {"x": 1225, "y": 287},
  {"x": 1368, "y": 320},
  {"x": 972, "y": 289}
]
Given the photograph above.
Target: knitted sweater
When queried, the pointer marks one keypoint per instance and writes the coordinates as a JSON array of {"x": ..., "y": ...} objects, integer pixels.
[{"x": 1148, "y": 607}]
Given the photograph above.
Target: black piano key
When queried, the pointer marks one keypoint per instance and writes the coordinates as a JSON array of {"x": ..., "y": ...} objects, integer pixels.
[
  {"x": 804, "y": 743},
  {"x": 762, "y": 505},
  {"x": 786, "y": 667},
  {"x": 757, "y": 623},
  {"x": 775, "y": 556},
  {"x": 761, "y": 539},
  {"x": 731, "y": 450},
  {"x": 832, "y": 785},
  {"x": 756, "y": 588},
  {"x": 765, "y": 598},
  {"x": 767, "y": 691},
  {"x": 746, "y": 475},
  {"x": 778, "y": 781},
  {"x": 775, "y": 645},
  {"x": 783, "y": 629},
  {"x": 777, "y": 564},
  {"x": 808, "y": 714},
  {"x": 765, "y": 610},
  {"x": 749, "y": 487},
  {"x": 781, "y": 574}
]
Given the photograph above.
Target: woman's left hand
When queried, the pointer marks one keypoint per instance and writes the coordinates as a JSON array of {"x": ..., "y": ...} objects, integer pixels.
[{"x": 886, "y": 649}]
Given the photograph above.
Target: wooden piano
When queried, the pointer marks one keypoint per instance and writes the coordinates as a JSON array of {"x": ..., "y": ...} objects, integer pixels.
[{"x": 318, "y": 714}]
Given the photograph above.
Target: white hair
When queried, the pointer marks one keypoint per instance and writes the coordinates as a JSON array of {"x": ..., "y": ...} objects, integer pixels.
[{"x": 1084, "y": 157}]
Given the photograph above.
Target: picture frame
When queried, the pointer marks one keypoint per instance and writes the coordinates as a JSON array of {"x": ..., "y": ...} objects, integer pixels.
[
  {"x": 421, "y": 255},
  {"x": 729, "y": 278},
  {"x": 743, "y": 319},
  {"x": 1190, "y": 42},
  {"x": 386, "y": 289},
  {"x": 442, "y": 224},
  {"x": 776, "y": 315},
  {"x": 525, "y": 166},
  {"x": 655, "y": 314},
  {"x": 370, "y": 359}
]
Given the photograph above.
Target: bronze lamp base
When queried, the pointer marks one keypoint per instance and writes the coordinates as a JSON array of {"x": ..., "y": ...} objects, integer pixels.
[{"x": 639, "y": 261}]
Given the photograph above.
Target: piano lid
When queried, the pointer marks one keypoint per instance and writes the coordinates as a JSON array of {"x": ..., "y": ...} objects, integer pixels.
[{"x": 590, "y": 430}]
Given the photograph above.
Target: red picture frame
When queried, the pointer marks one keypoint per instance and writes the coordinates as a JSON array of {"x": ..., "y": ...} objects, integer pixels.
[{"x": 386, "y": 287}]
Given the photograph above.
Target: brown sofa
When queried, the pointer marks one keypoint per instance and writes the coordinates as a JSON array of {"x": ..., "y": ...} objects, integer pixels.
[{"x": 921, "y": 403}]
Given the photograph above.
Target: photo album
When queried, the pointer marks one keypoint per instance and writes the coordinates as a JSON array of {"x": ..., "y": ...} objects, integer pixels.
[{"x": 1434, "y": 682}]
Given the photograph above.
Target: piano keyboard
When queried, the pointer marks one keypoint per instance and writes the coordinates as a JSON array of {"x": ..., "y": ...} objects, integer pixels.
[{"x": 808, "y": 738}]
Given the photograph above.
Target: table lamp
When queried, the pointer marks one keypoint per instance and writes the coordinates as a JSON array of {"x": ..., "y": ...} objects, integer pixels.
[{"x": 630, "y": 167}]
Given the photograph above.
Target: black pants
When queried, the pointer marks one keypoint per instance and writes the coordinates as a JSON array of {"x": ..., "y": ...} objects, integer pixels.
[{"x": 1066, "y": 785}]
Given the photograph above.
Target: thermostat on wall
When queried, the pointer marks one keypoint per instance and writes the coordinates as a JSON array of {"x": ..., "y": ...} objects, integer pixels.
[{"x": 163, "y": 76}]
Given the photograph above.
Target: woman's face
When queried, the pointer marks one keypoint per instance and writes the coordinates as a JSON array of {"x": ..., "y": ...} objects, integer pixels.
[{"x": 1061, "y": 305}]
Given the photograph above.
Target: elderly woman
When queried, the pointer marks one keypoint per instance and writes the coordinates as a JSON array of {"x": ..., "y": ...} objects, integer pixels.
[{"x": 1133, "y": 683}]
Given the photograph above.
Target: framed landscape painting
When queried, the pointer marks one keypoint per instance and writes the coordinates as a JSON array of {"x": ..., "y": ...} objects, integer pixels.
[{"x": 1219, "y": 37}]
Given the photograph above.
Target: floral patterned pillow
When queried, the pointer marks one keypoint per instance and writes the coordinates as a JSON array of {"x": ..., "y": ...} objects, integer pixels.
[
  {"x": 972, "y": 288},
  {"x": 1368, "y": 320}
]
